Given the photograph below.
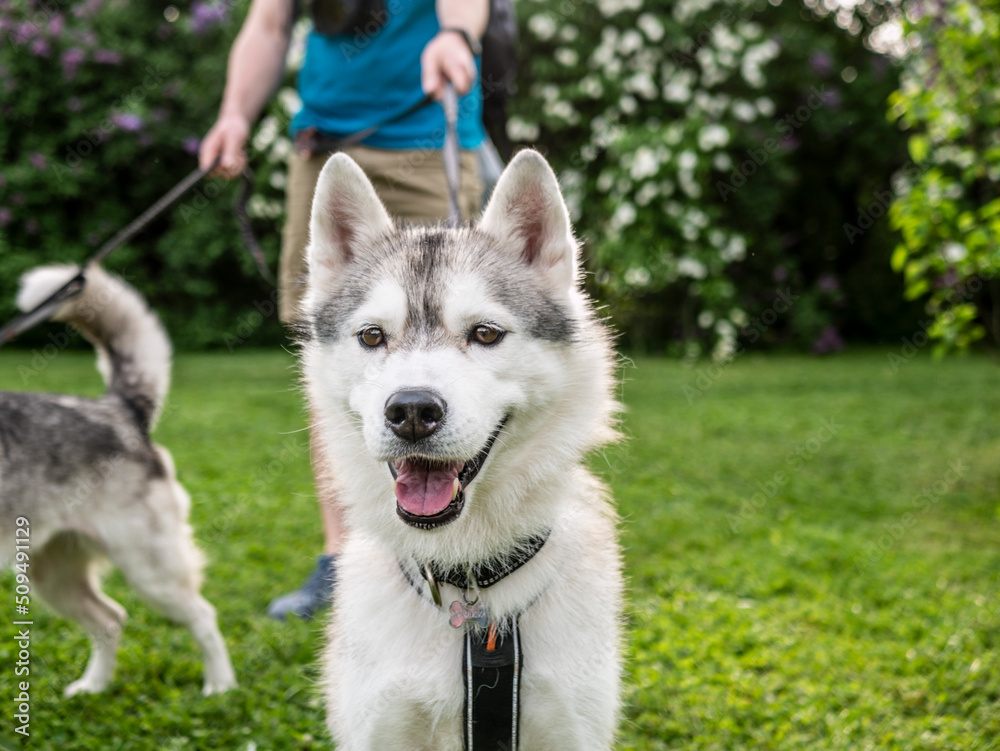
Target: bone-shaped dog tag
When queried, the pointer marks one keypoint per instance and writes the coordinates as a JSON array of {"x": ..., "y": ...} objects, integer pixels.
[{"x": 463, "y": 613}]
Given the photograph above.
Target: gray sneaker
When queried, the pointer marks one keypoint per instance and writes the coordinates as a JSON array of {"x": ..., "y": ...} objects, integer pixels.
[{"x": 315, "y": 595}]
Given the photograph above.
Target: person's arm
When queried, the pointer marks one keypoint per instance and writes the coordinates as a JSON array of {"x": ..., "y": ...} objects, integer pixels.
[
  {"x": 256, "y": 62},
  {"x": 447, "y": 56}
]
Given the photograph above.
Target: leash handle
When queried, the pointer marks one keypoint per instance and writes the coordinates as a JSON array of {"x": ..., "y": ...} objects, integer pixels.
[{"x": 452, "y": 170}]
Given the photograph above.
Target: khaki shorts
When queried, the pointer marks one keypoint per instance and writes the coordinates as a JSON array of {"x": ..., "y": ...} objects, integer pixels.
[{"x": 411, "y": 183}]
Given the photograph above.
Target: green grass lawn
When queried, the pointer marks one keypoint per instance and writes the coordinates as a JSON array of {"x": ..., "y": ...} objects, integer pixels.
[{"x": 812, "y": 545}]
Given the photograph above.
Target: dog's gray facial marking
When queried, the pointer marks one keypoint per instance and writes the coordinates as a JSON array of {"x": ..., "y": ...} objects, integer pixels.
[
  {"x": 423, "y": 260},
  {"x": 422, "y": 276},
  {"x": 545, "y": 318}
]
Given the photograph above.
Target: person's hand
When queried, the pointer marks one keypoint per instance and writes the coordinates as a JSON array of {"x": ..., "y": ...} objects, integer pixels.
[
  {"x": 226, "y": 139},
  {"x": 447, "y": 58}
]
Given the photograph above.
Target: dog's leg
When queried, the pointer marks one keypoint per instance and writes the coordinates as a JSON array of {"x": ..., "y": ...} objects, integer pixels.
[
  {"x": 166, "y": 573},
  {"x": 175, "y": 595},
  {"x": 65, "y": 575}
]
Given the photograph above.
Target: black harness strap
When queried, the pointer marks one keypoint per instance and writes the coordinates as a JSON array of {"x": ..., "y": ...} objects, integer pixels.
[
  {"x": 489, "y": 572},
  {"x": 492, "y": 657},
  {"x": 492, "y": 669}
]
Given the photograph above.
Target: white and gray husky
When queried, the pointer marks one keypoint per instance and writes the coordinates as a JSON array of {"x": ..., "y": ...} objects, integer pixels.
[
  {"x": 458, "y": 378},
  {"x": 83, "y": 483}
]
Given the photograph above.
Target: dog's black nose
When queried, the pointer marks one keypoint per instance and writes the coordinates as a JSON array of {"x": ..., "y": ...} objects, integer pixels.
[{"x": 414, "y": 414}]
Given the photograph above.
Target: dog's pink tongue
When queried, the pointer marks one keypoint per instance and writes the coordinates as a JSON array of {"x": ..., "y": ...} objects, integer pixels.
[{"x": 424, "y": 490}]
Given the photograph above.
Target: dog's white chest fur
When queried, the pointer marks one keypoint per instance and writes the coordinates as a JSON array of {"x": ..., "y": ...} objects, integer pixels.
[{"x": 393, "y": 672}]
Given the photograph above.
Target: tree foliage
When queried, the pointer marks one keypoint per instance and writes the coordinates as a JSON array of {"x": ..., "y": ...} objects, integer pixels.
[
  {"x": 948, "y": 207},
  {"x": 710, "y": 149}
]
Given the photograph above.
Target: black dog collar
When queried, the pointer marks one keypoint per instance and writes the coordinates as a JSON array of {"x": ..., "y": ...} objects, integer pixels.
[{"x": 483, "y": 574}]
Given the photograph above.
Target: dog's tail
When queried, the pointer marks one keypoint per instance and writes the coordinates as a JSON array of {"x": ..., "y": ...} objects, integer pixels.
[{"x": 133, "y": 351}]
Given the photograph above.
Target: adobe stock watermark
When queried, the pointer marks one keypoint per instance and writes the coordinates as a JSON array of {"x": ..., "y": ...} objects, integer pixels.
[
  {"x": 212, "y": 187},
  {"x": 795, "y": 459},
  {"x": 892, "y": 532},
  {"x": 363, "y": 34},
  {"x": 87, "y": 309},
  {"x": 290, "y": 452},
  {"x": 784, "y": 127},
  {"x": 751, "y": 333},
  {"x": 880, "y": 204},
  {"x": 912, "y": 344},
  {"x": 95, "y": 137},
  {"x": 686, "y": 55},
  {"x": 25, "y": 31}
]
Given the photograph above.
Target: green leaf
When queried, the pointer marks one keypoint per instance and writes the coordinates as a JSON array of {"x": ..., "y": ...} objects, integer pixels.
[{"x": 918, "y": 146}]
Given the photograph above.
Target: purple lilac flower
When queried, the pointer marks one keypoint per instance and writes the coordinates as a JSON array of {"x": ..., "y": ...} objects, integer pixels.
[
  {"x": 40, "y": 48},
  {"x": 87, "y": 9},
  {"x": 205, "y": 16},
  {"x": 38, "y": 160},
  {"x": 25, "y": 32},
  {"x": 191, "y": 144},
  {"x": 821, "y": 63},
  {"x": 127, "y": 121},
  {"x": 789, "y": 143},
  {"x": 828, "y": 283},
  {"x": 829, "y": 341},
  {"x": 86, "y": 37},
  {"x": 949, "y": 279},
  {"x": 71, "y": 61},
  {"x": 5, "y": 216},
  {"x": 107, "y": 57},
  {"x": 56, "y": 25}
]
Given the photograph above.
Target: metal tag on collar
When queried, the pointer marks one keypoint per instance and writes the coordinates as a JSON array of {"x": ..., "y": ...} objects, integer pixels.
[
  {"x": 432, "y": 584},
  {"x": 468, "y": 612}
]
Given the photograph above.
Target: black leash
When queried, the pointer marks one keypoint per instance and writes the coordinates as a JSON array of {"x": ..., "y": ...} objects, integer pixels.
[
  {"x": 451, "y": 154},
  {"x": 44, "y": 309}
]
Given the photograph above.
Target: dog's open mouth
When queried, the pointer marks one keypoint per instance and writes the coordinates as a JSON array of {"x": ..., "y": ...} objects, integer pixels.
[{"x": 431, "y": 493}]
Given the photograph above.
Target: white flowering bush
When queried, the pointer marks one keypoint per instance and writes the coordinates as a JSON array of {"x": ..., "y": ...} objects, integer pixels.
[{"x": 692, "y": 138}]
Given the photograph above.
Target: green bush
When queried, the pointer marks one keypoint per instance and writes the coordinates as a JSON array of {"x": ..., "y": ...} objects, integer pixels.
[
  {"x": 103, "y": 108},
  {"x": 710, "y": 151},
  {"x": 948, "y": 207}
]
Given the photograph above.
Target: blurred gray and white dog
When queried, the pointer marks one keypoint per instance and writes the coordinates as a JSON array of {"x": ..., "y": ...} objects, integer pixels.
[
  {"x": 458, "y": 379},
  {"x": 85, "y": 481}
]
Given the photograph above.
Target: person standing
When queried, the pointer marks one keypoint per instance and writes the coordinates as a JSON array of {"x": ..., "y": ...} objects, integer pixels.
[{"x": 368, "y": 64}]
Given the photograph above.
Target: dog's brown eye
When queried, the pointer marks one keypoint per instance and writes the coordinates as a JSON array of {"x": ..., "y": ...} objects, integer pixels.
[
  {"x": 371, "y": 336},
  {"x": 485, "y": 333}
]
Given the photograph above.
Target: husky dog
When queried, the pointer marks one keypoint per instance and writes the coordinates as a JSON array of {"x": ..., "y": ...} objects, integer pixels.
[
  {"x": 88, "y": 485},
  {"x": 458, "y": 378}
]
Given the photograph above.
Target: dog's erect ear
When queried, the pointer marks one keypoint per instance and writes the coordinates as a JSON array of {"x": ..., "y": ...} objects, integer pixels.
[
  {"x": 528, "y": 214},
  {"x": 346, "y": 216}
]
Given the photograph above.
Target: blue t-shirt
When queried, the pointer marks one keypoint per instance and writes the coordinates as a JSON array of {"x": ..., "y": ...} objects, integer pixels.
[{"x": 350, "y": 82}]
